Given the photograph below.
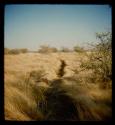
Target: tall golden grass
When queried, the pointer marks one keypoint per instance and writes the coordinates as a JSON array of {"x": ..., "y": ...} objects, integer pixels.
[{"x": 34, "y": 91}]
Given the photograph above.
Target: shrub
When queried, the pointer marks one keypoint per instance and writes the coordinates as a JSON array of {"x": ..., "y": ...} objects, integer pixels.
[
  {"x": 23, "y": 50},
  {"x": 14, "y": 51},
  {"x": 100, "y": 60},
  {"x": 64, "y": 49},
  {"x": 6, "y": 51},
  {"x": 47, "y": 49},
  {"x": 53, "y": 49},
  {"x": 78, "y": 49}
]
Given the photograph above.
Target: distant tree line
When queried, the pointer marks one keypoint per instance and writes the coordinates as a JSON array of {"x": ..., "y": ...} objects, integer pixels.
[
  {"x": 44, "y": 49},
  {"x": 15, "y": 51},
  {"x": 48, "y": 49}
]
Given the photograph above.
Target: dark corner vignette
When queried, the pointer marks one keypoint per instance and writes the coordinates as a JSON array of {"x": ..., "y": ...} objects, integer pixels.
[
  {"x": 56, "y": 2},
  {"x": 2, "y": 61},
  {"x": 2, "y": 16}
]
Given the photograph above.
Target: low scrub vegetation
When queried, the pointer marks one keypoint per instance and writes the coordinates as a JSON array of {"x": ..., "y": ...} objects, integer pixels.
[
  {"x": 6, "y": 51},
  {"x": 15, "y": 51},
  {"x": 24, "y": 50},
  {"x": 47, "y": 49},
  {"x": 79, "y": 49},
  {"x": 65, "y": 49}
]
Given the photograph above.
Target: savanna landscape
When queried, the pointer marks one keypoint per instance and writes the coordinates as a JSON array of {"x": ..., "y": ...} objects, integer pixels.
[
  {"x": 61, "y": 85},
  {"x": 57, "y": 62}
]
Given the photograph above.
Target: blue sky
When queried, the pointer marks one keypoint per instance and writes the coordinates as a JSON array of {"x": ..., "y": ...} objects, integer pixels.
[{"x": 30, "y": 26}]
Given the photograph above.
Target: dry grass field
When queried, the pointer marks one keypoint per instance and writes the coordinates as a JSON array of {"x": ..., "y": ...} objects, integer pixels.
[{"x": 35, "y": 91}]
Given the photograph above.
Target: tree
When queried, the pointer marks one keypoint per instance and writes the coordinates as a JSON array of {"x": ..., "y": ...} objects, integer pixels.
[
  {"x": 78, "y": 49},
  {"x": 14, "y": 51},
  {"x": 47, "y": 49},
  {"x": 100, "y": 60},
  {"x": 64, "y": 49},
  {"x": 24, "y": 50}
]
